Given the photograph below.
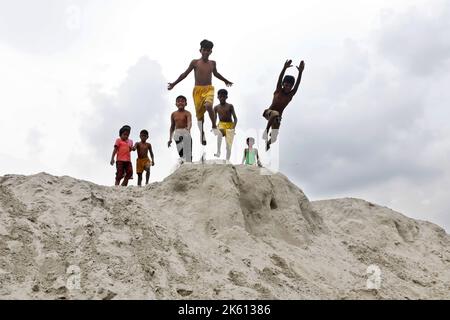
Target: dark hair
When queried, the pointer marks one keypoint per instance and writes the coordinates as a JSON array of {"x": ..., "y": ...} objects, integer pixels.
[
  {"x": 124, "y": 129},
  {"x": 206, "y": 44},
  {"x": 222, "y": 91},
  {"x": 144, "y": 132},
  {"x": 248, "y": 139},
  {"x": 289, "y": 79},
  {"x": 181, "y": 97}
]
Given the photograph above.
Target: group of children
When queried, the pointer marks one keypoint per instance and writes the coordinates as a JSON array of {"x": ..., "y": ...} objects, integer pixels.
[
  {"x": 123, "y": 148},
  {"x": 181, "y": 120}
]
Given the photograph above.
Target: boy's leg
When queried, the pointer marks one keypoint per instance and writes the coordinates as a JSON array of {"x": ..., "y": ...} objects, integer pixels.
[
  {"x": 266, "y": 115},
  {"x": 119, "y": 172},
  {"x": 274, "y": 132},
  {"x": 187, "y": 147},
  {"x": 228, "y": 152},
  {"x": 219, "y": 143},
  {"x": 139, "y": 179},
  {"x": 179, "y": 142},
  {"x": 147, "y": 175},
  {"x": 229, "y": 137},
  {"x": 202, "y": 132},
  {"x": 273, "y": 118},
  {"x": 212, "y": 116},
  {"x": 129, "y": 173}
]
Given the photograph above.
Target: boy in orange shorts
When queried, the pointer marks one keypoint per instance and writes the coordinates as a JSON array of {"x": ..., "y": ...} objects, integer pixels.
[
  {"x": 227, "y": 122},
  {"x": 203, "y": 91},
  {"x": 143, "y": 162}
]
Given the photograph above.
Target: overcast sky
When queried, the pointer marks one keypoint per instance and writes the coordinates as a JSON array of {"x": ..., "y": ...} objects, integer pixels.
[{"x": 371, "y": 118}]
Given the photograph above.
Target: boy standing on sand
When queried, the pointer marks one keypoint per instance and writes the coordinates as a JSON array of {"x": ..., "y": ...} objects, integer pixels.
[
  {"x": 227, "y": 122},
  {"x": 123, "y": 148},
  {"x": 180, "y": 127},
  {"x": 203, "y": 91},
  {"x": 281, "y": 98},
  {"x": 143, "y": 162}
]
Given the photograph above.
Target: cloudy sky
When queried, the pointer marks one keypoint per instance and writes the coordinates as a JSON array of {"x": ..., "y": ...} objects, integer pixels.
[{"x": 371, "y": 119}]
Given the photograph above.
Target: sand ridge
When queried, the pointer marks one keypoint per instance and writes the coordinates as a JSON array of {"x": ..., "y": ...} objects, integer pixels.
[{"x": 210, "y": 232}]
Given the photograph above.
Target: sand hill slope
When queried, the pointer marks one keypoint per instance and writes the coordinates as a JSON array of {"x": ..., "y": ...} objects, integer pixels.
[{"x": 210, "y": 232}]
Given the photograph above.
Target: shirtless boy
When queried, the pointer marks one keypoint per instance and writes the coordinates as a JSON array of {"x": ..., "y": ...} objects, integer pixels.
[
  {"x": 180, "y": 127},
  {"x": 143, "y": 162},
  {"x": 227, "y": 122},
  {"x": 203, "y": 91},
  {"x": 281, "y": 98}
]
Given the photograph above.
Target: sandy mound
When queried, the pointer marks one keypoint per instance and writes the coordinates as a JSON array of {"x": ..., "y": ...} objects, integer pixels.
[{"x": 210, "y": 232}]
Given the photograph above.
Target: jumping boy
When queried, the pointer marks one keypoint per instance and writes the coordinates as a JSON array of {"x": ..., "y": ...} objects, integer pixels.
[
  {"x": 143, "y": 162},
  {"x": 180, "y": 127},
  {"x": 203, "y": 91},
  {"x": 227, "y": 122},
  {"x": 251, "y": 156},
  {"x": 123, "y": 148},
  {"x": 281, "y": 98}
]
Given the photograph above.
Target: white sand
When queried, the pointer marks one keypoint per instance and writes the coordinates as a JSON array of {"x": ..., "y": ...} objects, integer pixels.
[{"x": 210, "y": 232}]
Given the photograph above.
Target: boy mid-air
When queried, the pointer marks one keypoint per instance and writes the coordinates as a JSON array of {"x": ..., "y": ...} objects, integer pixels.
[
  {"x": 180, "y": 127},
  {"x": 143, "y": 162},
  {"x": 227, "y": 122},
  {"x": 281, "y": 97},
  {"x": 203, "y": 91}
]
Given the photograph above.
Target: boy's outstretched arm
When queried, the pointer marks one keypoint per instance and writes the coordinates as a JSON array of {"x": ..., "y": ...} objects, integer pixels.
[
  {"x": 219, "y": 76},
  {"x": 172, "y": 129},
  {"x": 287, "y": 65},
  {"x": 182, "y": 76},
  {"x": 300, "y": 69}
]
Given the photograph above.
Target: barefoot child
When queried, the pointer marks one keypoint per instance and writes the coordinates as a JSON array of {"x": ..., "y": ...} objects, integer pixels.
[
  {"x": 251, "y": 156},
  {"x": 227, "y": 122},
  {"x": 180, "y": 127},
  {"x": 281, "y": 98},
  {"x": 143, "y": 162},
  {"x": 203, "y": 91},
  {"x": 123, "y": 148}
]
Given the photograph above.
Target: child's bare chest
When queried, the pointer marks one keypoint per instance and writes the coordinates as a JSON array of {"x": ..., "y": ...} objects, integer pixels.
[
  {"x": 181, "y": 116},
  {"x": 204, "y": 67},
  {"x": 224, "y": 111},
  {"x": 281, "y": 99},
  {"x": 142, "y": 147}
]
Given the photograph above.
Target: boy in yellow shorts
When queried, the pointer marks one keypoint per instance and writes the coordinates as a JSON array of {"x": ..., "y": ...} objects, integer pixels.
[
  {"x": 203, "y": 91},
  {"x": 143, "y": 162},
  {"x": 227, "y": 122}
]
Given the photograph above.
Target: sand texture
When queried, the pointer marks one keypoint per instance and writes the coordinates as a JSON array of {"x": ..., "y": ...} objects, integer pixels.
[{"x": 210, "y": 232}]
